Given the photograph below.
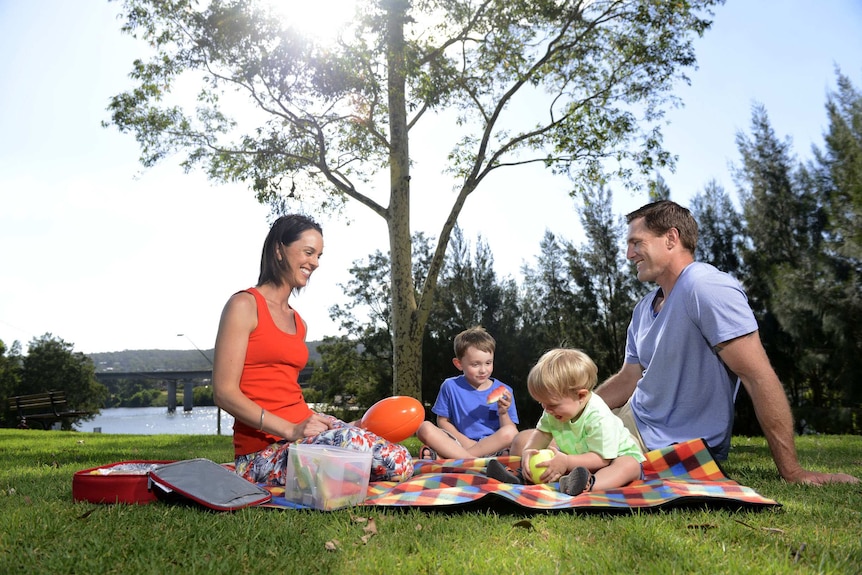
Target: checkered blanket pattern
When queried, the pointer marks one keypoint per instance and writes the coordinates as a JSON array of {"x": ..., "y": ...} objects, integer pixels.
[{"x": 681, "y": 475}]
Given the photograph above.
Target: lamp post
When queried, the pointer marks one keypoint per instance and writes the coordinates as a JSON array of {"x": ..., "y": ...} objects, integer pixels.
[{"x": 209, "y": 361}]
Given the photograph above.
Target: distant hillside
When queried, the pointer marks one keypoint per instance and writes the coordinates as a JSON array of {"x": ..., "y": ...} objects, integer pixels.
[{"x": 163, "y": 359}]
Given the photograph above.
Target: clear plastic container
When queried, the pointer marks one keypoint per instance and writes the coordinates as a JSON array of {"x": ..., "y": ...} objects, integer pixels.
[{"x": 326, "y": 477}]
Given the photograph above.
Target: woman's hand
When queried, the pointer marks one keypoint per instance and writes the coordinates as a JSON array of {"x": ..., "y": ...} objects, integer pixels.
[{"x": 313, "y": 425}]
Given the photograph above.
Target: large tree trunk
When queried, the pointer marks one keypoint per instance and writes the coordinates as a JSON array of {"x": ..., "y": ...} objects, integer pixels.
[{"x": 406, "y": 333}]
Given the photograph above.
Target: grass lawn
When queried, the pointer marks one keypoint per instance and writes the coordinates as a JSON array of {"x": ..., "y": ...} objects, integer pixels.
[{"x": 818, "y": 529}]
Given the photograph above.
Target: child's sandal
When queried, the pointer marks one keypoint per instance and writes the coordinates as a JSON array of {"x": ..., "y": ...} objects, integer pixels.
[
  {"x": 577, "y": 481},
  {"x": 426, "y": 452}
]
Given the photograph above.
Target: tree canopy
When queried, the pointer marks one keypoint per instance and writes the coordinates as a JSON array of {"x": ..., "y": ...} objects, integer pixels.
[
  {"x": 579, "y": 86},
  {"x": 51, "y": 365},
  {"x": 806, "y": 298}
]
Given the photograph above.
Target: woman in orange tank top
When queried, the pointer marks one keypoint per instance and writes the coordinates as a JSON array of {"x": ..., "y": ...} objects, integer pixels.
[{"x": 260, "y": 350}]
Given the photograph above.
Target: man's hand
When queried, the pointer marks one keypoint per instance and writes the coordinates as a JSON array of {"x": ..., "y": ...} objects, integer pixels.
[{"x": 806, "y": 477}]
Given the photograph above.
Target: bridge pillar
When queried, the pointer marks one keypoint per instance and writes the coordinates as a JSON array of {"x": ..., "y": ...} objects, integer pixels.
[
  {"x": 188, "y": 395},
  {"x": 172, "y": 396}
]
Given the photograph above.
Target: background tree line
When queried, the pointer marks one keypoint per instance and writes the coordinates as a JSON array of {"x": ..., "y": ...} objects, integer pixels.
[
  {"x": 794, "y": 242},
  {"x": 50, "y": 364},
  {"x": 580, "y": 87}
]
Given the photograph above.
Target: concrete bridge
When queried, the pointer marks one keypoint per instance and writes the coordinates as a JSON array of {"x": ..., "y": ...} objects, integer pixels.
[{"x": 188, "y": 378}]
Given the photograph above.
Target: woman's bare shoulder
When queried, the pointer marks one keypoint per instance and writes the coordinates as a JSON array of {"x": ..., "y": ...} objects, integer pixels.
[{"x": 241, "y": 305}]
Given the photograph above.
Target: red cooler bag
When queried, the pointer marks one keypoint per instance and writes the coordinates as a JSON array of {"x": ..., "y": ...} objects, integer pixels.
[{"x": 123, "y": 482}]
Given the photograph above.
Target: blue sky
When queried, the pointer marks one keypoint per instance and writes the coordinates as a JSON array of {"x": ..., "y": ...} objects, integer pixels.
[{"x": 109, "y": 257}]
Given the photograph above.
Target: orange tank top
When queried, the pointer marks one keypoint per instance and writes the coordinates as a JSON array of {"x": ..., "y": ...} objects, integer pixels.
[{"x": 270, "y": 376}]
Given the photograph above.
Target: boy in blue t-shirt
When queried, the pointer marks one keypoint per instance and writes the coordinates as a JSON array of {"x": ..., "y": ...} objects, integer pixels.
[{"x": 468, "y": 426}]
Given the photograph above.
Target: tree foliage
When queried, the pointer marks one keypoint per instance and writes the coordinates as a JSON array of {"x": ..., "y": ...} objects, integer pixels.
[
  {"x": 607, "y": 283},
  {"x": 836, "y": 176},
  {"x": 10, "y": 376},
  {"x": 774, "y": 211},
  {"x": 802, "y": 267},
  {"x": 839, "y": 167},
  {"x": 575, "y": 296},
  {"x": 579, "y": 86},
  {"x": 804, "y": 286},
  {"x": 720, "y": 229},
  {"x": 582, "y": 296},
  {"x": 471, "y": 294},
  {"x": 52, "y": 365},
  {"x": 364, "y": 371}
]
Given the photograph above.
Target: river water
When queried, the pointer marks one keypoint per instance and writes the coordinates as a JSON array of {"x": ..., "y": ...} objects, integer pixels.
[{"x": 156, "y": 420}]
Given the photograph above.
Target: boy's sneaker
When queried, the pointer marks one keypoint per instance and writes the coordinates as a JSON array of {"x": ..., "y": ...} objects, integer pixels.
[
  {"x": 426, "y": 452},
  {"x": 500, "y": 472},
  {"x": 577, "y": 481}
]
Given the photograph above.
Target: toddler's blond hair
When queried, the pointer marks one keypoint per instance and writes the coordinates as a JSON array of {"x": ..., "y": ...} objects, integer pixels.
[{"x": 561, "y": 373}]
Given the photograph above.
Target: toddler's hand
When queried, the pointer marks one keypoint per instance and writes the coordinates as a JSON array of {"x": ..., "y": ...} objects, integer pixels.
[
  {"x": 525, "y": 468},
  {"x": 557, "y": 467}
]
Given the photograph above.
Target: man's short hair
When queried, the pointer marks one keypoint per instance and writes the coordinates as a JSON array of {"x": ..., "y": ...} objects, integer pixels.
[{"x": 663, "y": 215}]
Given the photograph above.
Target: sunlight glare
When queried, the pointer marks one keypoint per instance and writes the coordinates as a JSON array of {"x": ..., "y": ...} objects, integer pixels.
[{"x": 321, "y": 20}]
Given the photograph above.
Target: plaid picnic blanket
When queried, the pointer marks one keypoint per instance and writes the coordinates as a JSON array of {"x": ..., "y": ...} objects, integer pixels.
[{"x": 681, "y": 475}]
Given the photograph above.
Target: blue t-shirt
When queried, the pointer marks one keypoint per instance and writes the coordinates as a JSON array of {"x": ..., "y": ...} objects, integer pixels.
[
  {"x": 468, "y": 409},
  {"x": 686, "y": 391}
]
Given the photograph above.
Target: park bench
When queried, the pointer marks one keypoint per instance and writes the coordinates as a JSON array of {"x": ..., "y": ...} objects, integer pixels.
[{"x": 43, "y": 409}]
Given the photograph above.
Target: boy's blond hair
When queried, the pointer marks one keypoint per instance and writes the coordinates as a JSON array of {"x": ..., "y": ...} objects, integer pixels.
[
  {"x": 561, "y": 373},
  {"x": 474, "y": 337}
]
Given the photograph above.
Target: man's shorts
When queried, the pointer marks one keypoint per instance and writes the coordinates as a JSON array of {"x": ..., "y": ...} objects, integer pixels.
[{"x": 628, "y": 418}]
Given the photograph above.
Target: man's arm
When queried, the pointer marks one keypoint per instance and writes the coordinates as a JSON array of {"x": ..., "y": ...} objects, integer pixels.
[
  {"x": 618, "y": 388},
  {"x": 746, "y": 357}
]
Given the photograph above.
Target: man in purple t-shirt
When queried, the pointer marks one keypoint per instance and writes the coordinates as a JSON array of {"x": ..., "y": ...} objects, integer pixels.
[{"x": 688, "y": 343}]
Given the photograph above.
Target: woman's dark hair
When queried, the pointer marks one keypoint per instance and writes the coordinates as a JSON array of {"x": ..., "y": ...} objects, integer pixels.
[
  {"x": 663, "y": 215},
  {"x": 285, "y": 230}
]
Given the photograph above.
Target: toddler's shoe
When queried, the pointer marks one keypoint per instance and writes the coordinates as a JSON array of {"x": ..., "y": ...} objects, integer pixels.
[
  {"x": 577, "y": 481},
  {"x": 500, "y": 472}
]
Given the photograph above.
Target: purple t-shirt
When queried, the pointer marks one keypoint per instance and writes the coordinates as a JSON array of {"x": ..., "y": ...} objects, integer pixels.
[
  {"x": 686, "y": 391},
  {"x": 468, "y": 409}
]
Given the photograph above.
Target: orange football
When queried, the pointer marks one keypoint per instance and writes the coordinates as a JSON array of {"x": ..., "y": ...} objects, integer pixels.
[{"x": 394, "y": 418}]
